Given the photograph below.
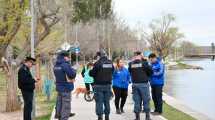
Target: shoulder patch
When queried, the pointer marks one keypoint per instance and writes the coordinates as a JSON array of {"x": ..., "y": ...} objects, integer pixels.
[
  {"x": 57, "y": 68},
  {"x": 137, "y": 65},
  {"x": 107, "y": 66}
]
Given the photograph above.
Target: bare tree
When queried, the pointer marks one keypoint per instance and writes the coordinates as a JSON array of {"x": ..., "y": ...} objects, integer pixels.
[
  {"x": 162, "y": 35},
  {"x": 46, "y": 21}
]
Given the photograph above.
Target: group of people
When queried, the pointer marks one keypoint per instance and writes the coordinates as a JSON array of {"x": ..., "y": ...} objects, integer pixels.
[{"x": 103, "y": 76}]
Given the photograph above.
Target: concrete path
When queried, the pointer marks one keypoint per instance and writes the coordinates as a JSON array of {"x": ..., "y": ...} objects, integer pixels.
[
  {"x": 86, "y": 110},
  {"x": 11, "y": 116}
]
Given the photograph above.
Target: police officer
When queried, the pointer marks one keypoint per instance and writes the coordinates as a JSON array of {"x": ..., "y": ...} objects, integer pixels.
[
  {"x": 65, "y": 76},
  {"x": 102, "y": 74},
  {"x": 140, "y": 72},
  {"x": 26, "y": 83}
]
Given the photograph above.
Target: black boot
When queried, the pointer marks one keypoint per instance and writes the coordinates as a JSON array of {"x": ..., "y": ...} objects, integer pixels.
[
  {"x": 122, "y": 110},
  {"x": 100, "y": 117},
  {"x": 118, "y": 111},
  {"x": 148, "y": 116},
  {"x": 107, "y": 117},
  {"x": 57, "y": 116},
  {"x": 137, "y": 116}
]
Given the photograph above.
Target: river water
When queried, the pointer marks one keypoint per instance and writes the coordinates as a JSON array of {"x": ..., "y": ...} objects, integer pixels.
[{"x": 195, "y": 88}]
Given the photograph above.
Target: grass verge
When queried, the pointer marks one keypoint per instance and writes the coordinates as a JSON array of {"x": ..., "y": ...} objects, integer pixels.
[
  {"x": 45, "y": 107},
  {"x": 171, "y": 113}
]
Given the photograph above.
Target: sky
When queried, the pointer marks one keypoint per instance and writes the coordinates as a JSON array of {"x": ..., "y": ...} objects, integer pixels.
[{"x": 195, "y": 18}]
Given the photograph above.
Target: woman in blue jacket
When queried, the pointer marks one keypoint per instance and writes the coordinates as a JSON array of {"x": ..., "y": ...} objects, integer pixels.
[{"x": 121, "y": 80}]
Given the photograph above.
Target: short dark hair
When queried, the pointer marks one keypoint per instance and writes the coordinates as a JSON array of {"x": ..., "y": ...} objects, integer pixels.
[
  {"x": 100, "y": 53},
  {"x": 137, "y": 53},
  {"x": 152, "y": 55}
]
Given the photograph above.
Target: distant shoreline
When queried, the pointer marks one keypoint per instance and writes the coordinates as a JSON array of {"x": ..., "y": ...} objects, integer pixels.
[{"x": 182, "y": 66}]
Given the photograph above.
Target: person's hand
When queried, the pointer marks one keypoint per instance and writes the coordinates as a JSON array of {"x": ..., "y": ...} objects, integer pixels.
[
  {"x": 71, "y": 81},
  {"x": 37, "y": 79}
]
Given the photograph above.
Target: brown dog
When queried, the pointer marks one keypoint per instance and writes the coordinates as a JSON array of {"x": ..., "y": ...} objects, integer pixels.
[{"x": 80, "y": 90}]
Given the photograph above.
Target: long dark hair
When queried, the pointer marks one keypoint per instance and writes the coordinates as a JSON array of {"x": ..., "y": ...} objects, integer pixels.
[
  {"x": 89, "y": 64},
  {"x": 117, "y": 63}
]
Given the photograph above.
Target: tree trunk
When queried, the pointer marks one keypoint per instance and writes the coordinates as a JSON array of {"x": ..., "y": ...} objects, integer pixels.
[{"x": 12, "y": 98}]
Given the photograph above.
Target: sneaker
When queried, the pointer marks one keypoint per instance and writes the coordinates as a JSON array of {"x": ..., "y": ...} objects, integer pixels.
[{"x": 71, "y": 114}]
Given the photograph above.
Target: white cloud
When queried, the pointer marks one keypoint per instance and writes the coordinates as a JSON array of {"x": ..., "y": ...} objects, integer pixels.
[{"x": 194, "y": 17}]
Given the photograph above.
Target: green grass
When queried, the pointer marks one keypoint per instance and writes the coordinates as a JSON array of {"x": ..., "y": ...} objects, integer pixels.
[
  {"x": 45, "y": 107},
  {"x": 44, "y": 117},
  {"x": 171, "y": 113}
]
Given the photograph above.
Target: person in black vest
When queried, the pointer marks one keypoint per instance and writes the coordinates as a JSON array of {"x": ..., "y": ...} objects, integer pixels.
[
  {"x": 26, "y": 82},
  {"x": 102, "y": 73},
  {"x": 140, "y": 73}
]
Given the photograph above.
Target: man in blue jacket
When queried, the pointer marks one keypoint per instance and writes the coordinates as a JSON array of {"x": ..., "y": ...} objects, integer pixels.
[
  {"x": 65, "y": 76},
  {"x": 157, "y": 82}
]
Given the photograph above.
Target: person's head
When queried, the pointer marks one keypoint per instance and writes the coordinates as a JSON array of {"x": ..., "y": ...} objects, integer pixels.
[
  {"x": 65, "y": 55},
  {"x": 29, "y": 61},
  {"x": 152, "y": 58},
  {"x": 119, "y": 63},
  {"x": 89, "y": 65},
  {"x": 100, "y": 54},
  {"x": 138, "y": 55}
]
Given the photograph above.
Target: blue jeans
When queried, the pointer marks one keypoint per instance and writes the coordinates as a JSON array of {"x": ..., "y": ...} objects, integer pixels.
[
  {"x": 63, "y": 105},
  {"x": 103, "y": 94},
  {"x": 141, "y": 94}
]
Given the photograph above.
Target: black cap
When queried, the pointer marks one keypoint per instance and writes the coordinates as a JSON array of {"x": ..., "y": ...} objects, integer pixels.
[
  {"x": 64, "y": 53},
  {"x": 29, "y": 58}
]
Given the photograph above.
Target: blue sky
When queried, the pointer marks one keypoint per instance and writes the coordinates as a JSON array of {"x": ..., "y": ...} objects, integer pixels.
[{"x": 195, "y": 18}]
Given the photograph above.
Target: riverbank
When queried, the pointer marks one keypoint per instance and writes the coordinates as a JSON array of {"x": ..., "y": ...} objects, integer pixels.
[
  {"x": 193, "y": 87},
  {"x": 181, "y": 107}
]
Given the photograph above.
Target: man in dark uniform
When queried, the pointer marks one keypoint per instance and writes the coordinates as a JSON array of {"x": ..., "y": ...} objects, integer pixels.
[
  {"x": 65, "y": 78},
  {"x": 140, "y": 73},
  {"x": 26, "y": 83},
  {"x": 102, "y": 74}
]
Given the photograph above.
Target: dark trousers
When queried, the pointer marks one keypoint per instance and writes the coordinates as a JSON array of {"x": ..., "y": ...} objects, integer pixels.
[
  {"x": 63, "y": 105},
  {"x": 157, "y": 98},
  {"x": 120, "y": 94},
  {"x": 88, "y": 85},
  {"x": 102, "y": 97},
  {"x": 28, "y": 104}
]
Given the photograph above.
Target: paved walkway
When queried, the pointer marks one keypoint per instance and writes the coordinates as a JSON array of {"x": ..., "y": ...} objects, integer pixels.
[
  {"x": 86, "y": 110},
  {"x": 11, "y": 116}
]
